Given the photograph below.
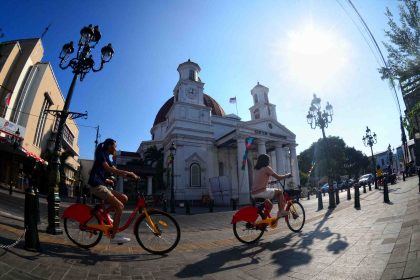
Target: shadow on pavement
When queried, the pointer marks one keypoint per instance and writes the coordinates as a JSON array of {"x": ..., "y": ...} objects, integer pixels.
[
  {"x": 228, "y": 259},
  {"x": 75, "y": 255}
]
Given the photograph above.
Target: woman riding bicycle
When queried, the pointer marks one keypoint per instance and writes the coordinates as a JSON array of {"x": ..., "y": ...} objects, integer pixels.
[
  {"x": 259, "y": 186},
  {"x": 102, "y": 166}
]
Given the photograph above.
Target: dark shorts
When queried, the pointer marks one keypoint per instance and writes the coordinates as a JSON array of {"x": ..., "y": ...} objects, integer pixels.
[{"x": 101, "y": 191}]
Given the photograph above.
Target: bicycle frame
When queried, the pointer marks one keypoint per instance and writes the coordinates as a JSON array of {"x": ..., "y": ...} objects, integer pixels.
[
  {"x": 251, "y": 213},
  {"x": 83, "y": 213}
]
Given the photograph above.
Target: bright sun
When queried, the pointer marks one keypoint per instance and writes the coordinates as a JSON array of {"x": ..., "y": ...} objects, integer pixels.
[{"x": 315, "y": 56}]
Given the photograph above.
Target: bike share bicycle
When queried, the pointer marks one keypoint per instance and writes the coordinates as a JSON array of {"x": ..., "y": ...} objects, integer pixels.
[
  {"x": 156, "y": 231},
  {"x": 249, "y": 223}
]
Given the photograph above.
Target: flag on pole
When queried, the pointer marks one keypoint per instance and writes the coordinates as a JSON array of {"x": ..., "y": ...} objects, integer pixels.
[{"x": 232, "y": 100}]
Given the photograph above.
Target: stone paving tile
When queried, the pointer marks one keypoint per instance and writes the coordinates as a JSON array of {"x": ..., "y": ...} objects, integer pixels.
[
  {"x": 392, "y": 273},
  {"x": 19, "y": 274},
  {"x": 412, "y": 268},
  {"x": 4, "y": 268}
]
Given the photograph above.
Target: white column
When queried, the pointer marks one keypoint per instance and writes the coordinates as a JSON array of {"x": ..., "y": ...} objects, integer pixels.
[
  {"x": 243, "y": 189},
  {"x": 295, "y": 167},
  {"x": 279, "y": 158},
  {"x": 261, "y": 147},
  {"x": 149, "y": 185}
]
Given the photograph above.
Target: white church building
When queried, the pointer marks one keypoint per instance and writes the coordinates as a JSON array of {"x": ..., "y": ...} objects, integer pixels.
[{"x": 210, "y": 145}]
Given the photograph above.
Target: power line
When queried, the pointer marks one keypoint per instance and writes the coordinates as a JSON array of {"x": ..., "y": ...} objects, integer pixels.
[
  {"x": 361, "y": 33},
  {"x": 37, "y": 116},
  {"x": 379, "y": 51}
]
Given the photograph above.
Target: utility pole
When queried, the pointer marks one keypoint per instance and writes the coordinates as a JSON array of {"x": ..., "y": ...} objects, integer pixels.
[{"x": 97, "y": 136}]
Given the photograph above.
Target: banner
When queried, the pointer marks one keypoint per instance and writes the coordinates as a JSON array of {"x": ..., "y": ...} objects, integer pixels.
[
  {"x": 248, "y": 145},
  {"x": 10, "y": 128}
]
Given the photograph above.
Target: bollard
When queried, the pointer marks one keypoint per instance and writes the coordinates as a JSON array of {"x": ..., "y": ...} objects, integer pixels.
[
  {"x": 331, "y": 199},
  {"x": 31, "y": 234},
  {"x": 386, "y": 193},
  {"x": 364, "y": 188},
  {"x": 164, "y": 205},
  {"x": 10, "y": 189},
  {"x": 320, "y": 206},
  {"x": 84, "y": 199},
  {"x": 370, "y": 186},
  {"x": 187, "y": 208},
  {"x": 309, "y": 195},
  {"x": 403, "y": 176},
  {"x": 233, "y": 201},
  {"x": 348, "y": 193},
  {"x": 356, "y": 197},
  {"x": 337, "y": 197},
  {"x": 38, "y": 215},
  {"x": 211, "y": 204}
]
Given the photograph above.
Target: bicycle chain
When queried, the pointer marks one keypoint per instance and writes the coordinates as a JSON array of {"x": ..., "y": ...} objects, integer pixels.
[{"x": 2, "y": 246}]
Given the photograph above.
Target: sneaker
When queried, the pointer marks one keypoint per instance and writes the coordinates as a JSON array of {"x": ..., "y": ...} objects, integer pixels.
[
  {"x": 282, "y": 213},
  {"x": 118, "y": 239}
]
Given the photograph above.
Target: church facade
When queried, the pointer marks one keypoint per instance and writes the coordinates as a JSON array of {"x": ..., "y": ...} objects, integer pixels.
[{"x": 210, "y": 145}]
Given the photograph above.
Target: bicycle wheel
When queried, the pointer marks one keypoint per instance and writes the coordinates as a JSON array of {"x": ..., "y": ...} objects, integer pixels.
[
  {"x": 80, "y": 235},
  {"x": 247, "y": 233},
  {"x": 162, "y": 242},
  {"x": 296, "y": 218}
]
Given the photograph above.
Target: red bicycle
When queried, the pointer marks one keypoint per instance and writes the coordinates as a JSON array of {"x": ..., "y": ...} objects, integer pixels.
[
  {"x": 156, "y": 231},
  {"x": 250, "y": 222}
]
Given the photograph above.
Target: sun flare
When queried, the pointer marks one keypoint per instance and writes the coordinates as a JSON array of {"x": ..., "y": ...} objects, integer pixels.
[{"x": 315, "y": 56}]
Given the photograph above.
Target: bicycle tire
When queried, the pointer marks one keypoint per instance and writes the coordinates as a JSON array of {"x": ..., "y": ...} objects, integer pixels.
[
  {"x": 249, "y": 226},
  {"x": 301, "y": 216},
  {"x": 73, "y": 239},
  {"x": 160, "y": 224}
]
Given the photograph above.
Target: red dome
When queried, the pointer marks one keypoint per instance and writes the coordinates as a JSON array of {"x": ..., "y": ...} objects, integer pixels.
[{"x": 216, "y": 109}]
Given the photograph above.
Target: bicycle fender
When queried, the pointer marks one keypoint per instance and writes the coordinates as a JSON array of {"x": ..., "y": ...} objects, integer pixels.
[
  {"x": 79, "y": 212},
  {"x": 247, "y": 214}
]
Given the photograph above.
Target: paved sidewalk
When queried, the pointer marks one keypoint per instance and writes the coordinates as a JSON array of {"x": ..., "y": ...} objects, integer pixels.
[{"x": 379, "y": 241}]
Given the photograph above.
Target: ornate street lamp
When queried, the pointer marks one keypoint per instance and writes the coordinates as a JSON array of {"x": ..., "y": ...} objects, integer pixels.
[
  {"x": 172, "y": 152},
  {"x": 321, "y": 118},
  {"x": 370, "y": 140},
  {"x": 81, "y": 64}
]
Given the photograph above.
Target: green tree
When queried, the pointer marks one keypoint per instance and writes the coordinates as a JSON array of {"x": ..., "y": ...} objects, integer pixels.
[
  {"x": 154, "y": 157},
  {"x": 343, "y": 160},
  {"x": 404, "y": 48}
]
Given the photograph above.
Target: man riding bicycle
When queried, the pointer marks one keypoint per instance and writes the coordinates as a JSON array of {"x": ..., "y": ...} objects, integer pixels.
[
  {"x": 98, "y": 180},
  {"x": 259, "y": 186}
]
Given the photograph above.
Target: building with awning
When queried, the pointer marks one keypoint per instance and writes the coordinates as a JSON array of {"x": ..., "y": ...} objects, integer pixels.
[{"x": 28, "y": 88}]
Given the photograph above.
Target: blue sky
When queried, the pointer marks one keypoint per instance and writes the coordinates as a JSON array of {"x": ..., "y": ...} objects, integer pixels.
[{"x": 296, "y": 48}]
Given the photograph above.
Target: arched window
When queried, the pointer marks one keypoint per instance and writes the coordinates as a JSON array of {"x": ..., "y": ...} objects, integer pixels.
[
  {"x": 195, "y": 175},
  {"x": 255, "y": 98},
  {"x": 257, "y": 114},
  {"x": 266, "y": 97},
  {"x": 192, "y": 75}
]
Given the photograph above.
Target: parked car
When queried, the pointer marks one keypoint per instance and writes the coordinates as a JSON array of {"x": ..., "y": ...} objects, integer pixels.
[
  {"x": 324, "y": 188},
  {"x": 366, "y": 179}
]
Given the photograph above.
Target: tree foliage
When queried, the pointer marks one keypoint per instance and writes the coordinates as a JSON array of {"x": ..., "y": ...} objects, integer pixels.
[
  {"x": 332, "y": 152},
  {"x": 404, "y": 47},
  {"x": 154, "y": 157}
]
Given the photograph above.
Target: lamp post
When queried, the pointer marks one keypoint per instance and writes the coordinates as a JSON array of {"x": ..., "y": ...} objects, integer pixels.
[
  {"x": 172, "y": 152},
  {"x": 81, "y": 64},
  {"x": 390, "y": 156},
  {"x": 16, "y": 141},
  {"x": 370, "y": 140},
  {"x": 321, "y": 119}
]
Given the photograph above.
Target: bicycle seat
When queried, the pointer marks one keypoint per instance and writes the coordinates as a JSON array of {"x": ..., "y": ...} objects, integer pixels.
[{"x": 258, "y": 202}]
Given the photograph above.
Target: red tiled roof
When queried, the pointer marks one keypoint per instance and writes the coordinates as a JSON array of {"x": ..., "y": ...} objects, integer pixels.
[{"x": 216, "y": 109}]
